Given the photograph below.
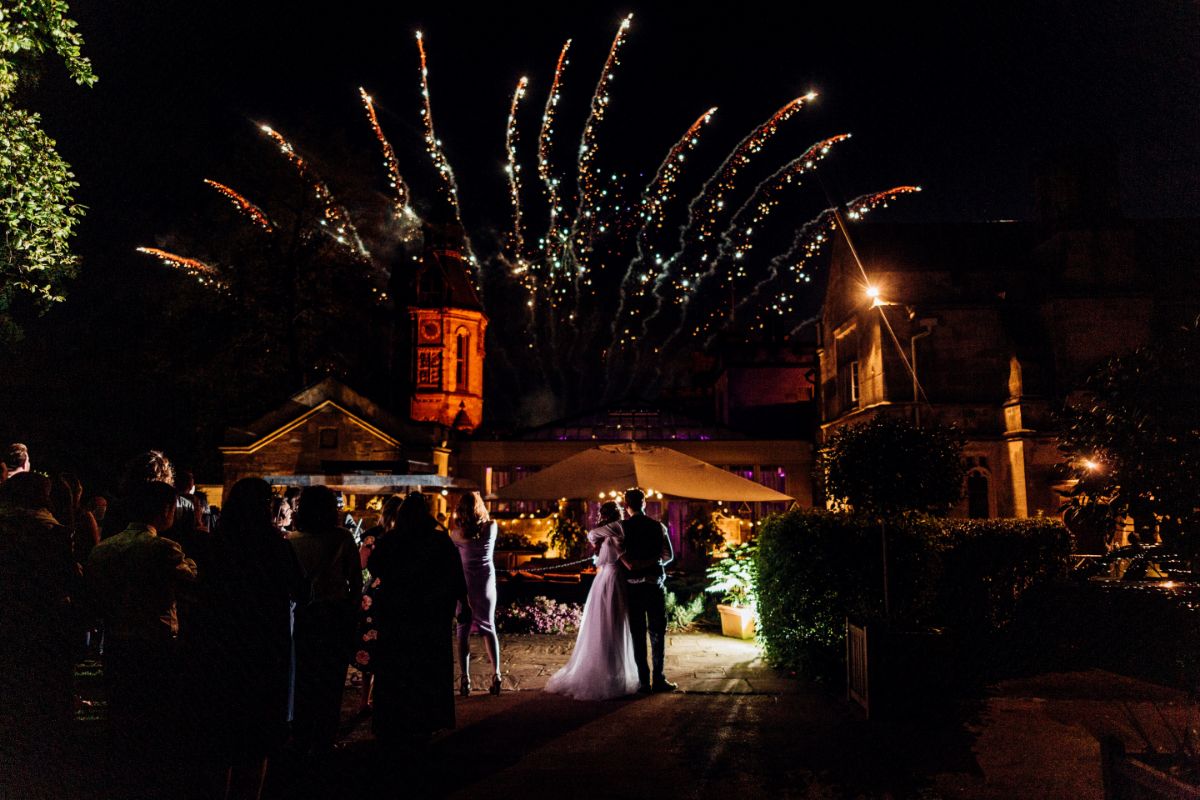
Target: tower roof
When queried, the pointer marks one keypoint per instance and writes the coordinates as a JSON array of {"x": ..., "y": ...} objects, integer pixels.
[{"x": 443, "y": 277}]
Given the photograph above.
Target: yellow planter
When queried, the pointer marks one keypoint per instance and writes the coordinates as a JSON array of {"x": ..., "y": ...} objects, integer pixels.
[{"x": 737, "y": 621}]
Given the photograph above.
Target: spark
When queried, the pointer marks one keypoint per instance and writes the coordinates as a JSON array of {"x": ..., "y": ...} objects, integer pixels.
[
  {"x": 545, "y": 140},
  {"x": 588, "y": 145},
  {"x": 433, "y": 146},
  {"x": 256, "y": 214},
  {"x": 206, "y": 274},
  {"x": 389, "y": 156},
  {"x": 337, "y": 219},
  {"x": 513, "y": 170}
]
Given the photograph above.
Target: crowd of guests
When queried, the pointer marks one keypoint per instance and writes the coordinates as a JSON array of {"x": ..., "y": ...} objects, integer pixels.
[{"x": 225, "y": 637}]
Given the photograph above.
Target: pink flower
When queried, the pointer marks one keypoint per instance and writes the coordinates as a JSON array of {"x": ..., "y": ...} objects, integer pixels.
[{"x": 362, "y": 657}]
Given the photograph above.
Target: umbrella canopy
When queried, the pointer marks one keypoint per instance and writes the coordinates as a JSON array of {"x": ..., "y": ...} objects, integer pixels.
[{"x": 620, "y": 466}]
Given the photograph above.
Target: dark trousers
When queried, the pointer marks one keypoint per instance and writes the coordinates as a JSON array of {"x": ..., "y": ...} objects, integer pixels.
[
  {"x": 143, "y": 683},
  {"x": 647, "y": 603}
]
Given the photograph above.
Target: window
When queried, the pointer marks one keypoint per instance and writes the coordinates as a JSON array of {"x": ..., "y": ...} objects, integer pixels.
[
  {"x": 979, "y": 504},
  {"x": 429, "y": 368},
  {"x": 854, "y": 382},
  {"x": 462, "y": 347},
  {"x": 327, "y": 438}
]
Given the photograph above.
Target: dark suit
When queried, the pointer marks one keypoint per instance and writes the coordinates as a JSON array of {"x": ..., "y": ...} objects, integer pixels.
[{"x": 646, "y": 541}]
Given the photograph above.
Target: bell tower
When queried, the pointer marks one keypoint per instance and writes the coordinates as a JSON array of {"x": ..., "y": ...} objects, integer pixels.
[{"x": 447, "y": 329}]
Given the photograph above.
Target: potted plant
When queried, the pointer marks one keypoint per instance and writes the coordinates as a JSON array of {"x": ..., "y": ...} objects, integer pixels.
[{"x": 733, "y": 578}]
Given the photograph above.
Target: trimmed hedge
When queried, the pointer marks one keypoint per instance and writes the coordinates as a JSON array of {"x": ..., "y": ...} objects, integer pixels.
[{"x": 815, "y": 568}]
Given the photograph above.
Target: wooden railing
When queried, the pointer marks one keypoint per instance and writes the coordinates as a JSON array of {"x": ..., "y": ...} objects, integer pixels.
[{"x": 858, "y": 683}]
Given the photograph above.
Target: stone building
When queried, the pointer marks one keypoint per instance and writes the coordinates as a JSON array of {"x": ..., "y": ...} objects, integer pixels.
[
  {"x": 990, "y": 327},
  {"x": 330, "y": 434}
]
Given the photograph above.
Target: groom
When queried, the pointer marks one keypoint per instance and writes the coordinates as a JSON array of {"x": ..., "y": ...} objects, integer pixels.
[{"x": 647, "y": 550}]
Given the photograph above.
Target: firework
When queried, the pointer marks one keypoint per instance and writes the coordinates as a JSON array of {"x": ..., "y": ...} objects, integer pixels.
[
  {"x": 513, "y": 170},
  {"x": 545, "y": 139},
  {"x": 336, "y": 220},
  {"x": 204, "y": 273},
  {"x": 253, "y": 212},
  {"x": 433, "y": 146},
  {"x": 655, "y": 197},
  {"x": 607, "y": 246},
  {"x": 581, "y": 231},
  {"x": 706, "y": 207},
  {"x": 389, "y": 157}
]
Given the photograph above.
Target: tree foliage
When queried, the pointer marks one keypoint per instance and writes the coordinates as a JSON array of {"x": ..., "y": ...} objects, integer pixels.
[
  {"x": 887, "y": 465},
  {"x": 37, "y": 212},
  {"x": 1133, "y": 438}
]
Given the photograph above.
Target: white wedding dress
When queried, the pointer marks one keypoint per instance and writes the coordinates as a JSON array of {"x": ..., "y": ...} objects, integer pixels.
[{"x": 601, "y": 665}]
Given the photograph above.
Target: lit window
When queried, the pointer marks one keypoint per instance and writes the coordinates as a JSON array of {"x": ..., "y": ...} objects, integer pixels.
[{"x": 462, "y": 345}]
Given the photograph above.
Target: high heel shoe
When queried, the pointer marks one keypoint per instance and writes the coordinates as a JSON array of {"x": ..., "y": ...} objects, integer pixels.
[
  {"x": 464, "y": 685},
  {"x": 495, "y": 687}
]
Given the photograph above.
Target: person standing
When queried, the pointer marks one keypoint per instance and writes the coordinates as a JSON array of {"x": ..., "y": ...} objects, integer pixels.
[
  {"x": 602, "y": 664},
  {"x": 325, "y": 624},
  {"x": 37, "y": 575},
  {"x": 647, "y": 550},
  {"x": 246, "y": 641},
  {"x": 475, "y": 538},
  {"x": 133, "y": 577},
  {"x": 368, "y": 630},
  {"x": 421, "y": 585}
]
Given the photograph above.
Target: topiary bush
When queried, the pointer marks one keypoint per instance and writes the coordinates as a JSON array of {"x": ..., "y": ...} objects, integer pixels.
[{"x": 816, "y": 568}]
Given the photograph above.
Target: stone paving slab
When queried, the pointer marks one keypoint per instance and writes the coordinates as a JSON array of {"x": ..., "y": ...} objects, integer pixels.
[{"x": 700, "y": 662}]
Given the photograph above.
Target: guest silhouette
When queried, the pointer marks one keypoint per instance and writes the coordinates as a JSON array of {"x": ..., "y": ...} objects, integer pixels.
[{"x": 421, "y": 584}]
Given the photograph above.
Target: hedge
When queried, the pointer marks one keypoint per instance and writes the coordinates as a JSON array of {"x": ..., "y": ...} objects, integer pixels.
[{"x": 815, "y": 568}]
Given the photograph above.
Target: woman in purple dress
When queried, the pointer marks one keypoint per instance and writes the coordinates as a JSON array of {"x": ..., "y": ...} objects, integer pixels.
[{"x": 475, "y": 538}]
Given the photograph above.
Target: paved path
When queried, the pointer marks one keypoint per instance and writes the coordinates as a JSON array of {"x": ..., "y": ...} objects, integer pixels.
[{"x": 735, "y": 729}]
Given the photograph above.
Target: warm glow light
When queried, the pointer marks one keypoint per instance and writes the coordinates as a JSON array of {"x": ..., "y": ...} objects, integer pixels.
[
  {"x": 1090, "y": 465},
  {"x": 873, "y": 292}
]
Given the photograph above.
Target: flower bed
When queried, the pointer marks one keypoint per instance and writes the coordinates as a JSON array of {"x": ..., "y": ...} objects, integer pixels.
[{"x": 540, "y": 615}]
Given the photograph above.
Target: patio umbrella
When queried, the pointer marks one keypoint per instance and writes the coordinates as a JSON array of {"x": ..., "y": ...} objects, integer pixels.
[{"x": 621, "y": 466}]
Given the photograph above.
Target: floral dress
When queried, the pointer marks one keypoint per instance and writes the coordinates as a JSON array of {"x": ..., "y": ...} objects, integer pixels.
[{"x": 368, "y": 631}]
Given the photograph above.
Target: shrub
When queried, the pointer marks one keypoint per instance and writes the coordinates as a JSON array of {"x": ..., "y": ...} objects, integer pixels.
[
  {"x": 540, "y": 615},
  {"x": 817, "y": 568},
  {"x": 886, "y": 465}
]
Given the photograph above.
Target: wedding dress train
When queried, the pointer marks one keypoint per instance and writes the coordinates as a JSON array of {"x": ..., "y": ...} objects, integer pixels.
[{"x": 601, "y": 665}]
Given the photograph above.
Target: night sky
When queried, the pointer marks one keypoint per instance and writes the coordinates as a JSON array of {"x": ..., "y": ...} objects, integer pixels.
[{"x": 963, "y": 98}]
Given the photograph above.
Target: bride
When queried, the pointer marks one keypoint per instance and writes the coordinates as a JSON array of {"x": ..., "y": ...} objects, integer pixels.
[{"x": 602, "y": 665}]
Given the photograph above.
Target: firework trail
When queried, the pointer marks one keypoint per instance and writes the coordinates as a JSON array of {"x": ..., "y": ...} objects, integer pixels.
[
  {"x": 389, "y": 157},
  {"x": 253, "y": 212},
  {"x": 513, "y": 169},
  {"x": 809, "y": 240},
  {"x": 763, "y": 200},
  {"x": 205, "y": 273},
  {"x": 336, "y": 219},
  {"x": 708, "y": 204},
  {"x": 587, "y": 211},
  {"x": 655, "y": 197},
  {"x": 545, "y": 141}
]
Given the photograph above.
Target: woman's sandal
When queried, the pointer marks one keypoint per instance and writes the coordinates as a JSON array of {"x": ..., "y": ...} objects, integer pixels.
[
  {"x": 495, "y": 687},
  {"x": 464, "y": 685}
]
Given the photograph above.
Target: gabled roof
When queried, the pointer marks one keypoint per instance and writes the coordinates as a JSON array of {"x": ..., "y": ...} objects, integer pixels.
[{"x": 330, "y": 392}]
